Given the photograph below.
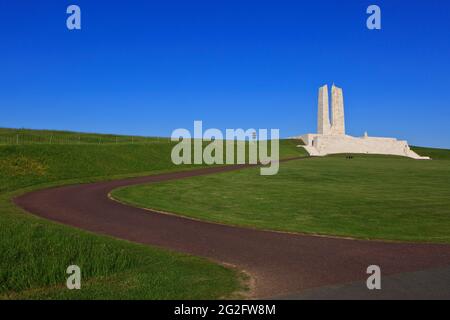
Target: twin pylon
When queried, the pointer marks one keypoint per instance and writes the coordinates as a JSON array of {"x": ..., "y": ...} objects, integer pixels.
[{"x": 337, "y": 126}]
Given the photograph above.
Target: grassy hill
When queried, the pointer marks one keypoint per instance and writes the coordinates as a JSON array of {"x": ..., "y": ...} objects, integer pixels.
[
  {"x": 368, "y": 196},
  {"x": 34, "y": 253},
  {"x": 433, "y": 153}
]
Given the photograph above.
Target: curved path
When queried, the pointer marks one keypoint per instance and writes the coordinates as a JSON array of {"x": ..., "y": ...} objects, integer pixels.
[{"x": 281, "y": 264}]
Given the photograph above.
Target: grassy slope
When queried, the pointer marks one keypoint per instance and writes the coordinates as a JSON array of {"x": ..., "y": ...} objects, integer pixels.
[
  {"x": 35, "y": 253},
  {"x": 367, "y": 196}
]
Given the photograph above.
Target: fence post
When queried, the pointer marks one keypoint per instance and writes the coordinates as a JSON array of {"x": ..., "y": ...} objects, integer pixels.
[{"x": 17, "y": 139}]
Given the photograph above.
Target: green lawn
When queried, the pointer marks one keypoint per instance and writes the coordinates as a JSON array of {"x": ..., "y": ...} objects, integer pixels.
[
  {"x": 376, "y": 197},
  {"x": 34, "y": 253}
]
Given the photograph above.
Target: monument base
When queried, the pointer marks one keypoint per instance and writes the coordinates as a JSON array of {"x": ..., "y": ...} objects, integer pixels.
[{"x": 322, "y": 145}]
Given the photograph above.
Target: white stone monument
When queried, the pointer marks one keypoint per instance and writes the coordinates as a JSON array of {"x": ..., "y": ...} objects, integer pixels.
[{"x": 331, "y": 138}]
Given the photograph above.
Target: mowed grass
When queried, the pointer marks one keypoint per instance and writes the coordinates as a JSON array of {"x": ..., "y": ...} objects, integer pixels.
[
  {"x": 372, "y": 197},
  {"x": 35, "y": 253}
]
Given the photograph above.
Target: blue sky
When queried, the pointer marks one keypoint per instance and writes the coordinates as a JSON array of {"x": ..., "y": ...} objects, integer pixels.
[{"x": 149, "y": 67}]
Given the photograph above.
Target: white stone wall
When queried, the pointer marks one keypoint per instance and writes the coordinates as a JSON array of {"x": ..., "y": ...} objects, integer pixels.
[{"x": 321, "y": 145}]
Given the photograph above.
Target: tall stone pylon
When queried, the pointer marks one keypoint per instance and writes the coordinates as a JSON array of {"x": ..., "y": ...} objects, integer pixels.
[
  {"x": 337, "y": 106},
  {"x": 323, "y": 118}
]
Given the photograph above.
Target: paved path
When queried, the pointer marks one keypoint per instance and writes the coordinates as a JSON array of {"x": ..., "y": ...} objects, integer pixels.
[
  {"x": 281, "y": 264},
  {"x": 424, "y": 285}
]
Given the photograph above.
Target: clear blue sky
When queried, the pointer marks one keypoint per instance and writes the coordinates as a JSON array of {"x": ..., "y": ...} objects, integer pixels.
[{"x": 149, "y": 67}]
